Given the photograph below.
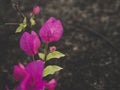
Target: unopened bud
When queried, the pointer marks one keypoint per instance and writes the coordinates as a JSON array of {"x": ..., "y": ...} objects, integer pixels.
[{"x": 36, "y": 10}]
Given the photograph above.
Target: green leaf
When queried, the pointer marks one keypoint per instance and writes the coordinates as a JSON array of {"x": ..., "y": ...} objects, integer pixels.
[
  {"x": 21, "y": 26},
  {"x": 24, "y": 23},
  {"x": 51, "y": 69},
  {"x": 32, "y": 21},
  {"x": 19, "y": 29},
  {"x": 55, "y": 54},
  {"x": 41, "y": 55},
  {"x": 24, "y": 20}
]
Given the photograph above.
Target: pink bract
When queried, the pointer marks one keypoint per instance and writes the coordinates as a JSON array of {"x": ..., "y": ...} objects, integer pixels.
[
  {"x": 30, "y": 43},
  {"x": 51, "y": 84},
  {"x": 30, "y": 77},
  {"x": 36, "y": 10},
  {"x": 19, "y": 72},
  {"x": 33, "y": 78},
  {"x": 51, "y": 31}
]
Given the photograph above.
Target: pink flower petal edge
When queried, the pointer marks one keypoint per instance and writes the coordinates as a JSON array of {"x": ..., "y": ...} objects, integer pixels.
[
  {"x": 32, "y": 80},
  {"x": 30, "y": 43},
  {"x": 19, "y": 72},
  {"x": 51, "y": 85},
  {"x": 51, "y": 31}
]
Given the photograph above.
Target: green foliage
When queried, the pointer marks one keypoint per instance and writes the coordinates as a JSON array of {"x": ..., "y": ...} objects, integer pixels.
[
  {"x": 41, "y": 55},
  {"x": 55, "y": 54},
  {"x": 22, "y": 26},
  {"x": 51, "y": 69},
  {"x": 32, "y": 21}
]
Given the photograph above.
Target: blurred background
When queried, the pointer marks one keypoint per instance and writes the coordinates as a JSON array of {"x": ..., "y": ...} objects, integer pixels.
[{"x": 91, "y": 42}]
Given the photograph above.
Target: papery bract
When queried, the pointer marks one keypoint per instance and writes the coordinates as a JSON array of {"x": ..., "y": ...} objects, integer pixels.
[
  {"x": 36, "y": 10},
  {"x": 19, "y": 72},
  {"x": 51, "y": 31},
  {"x": 33, "y": 79},
  {"x": 30, "y": 43},
  {"x": 51, "y": 84}
]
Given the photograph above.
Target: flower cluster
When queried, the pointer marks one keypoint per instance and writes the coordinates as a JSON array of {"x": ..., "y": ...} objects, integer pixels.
[
  {"x": 30, "y": 43},
  {"x": 51, "y": 31},
  {"x": 30, "y": 77}
]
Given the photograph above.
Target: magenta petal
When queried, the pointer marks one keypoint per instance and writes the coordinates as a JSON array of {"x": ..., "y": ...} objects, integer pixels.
[
  {"x": 19, "y": 72},
  {"x": 51, "y": 31},
  {"x": 22, "y": 85},
  {"x": 25, "y": 43},
  {"x": 23, "y": 38},
  {"x": 45, "y": 33},
  {"x": 51, "y": 84},
  {"x": 34, "y": 33},
  {"x": 35, "y": 69},
  {"x": 57, "y": 30},
  {"x": 33, "y": 79},
  {"x": 30, "y": 43},
  {"x": 36, "y": 42},
  {"x": 30, "y": 83},
  {"x": 19, "y": 88}
]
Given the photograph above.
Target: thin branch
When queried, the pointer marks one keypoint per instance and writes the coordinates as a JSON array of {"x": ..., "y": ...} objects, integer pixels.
[
  {"x": 46, "y": 51},
  {"x": 19, "y": 10},
  {"x": 33, "y": 58},
  {"x": 11, "y": 23},
  {"x": 16, "y": 6}
]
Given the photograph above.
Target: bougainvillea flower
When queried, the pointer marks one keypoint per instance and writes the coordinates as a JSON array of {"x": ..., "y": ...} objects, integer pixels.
[
  {"x": 30, "y": 43},
  {"x": 33, "y": 79},
  {"x": 51, "y": 84},
  {"x": 19, "y": 72},
  {"x": 36, "y": 10},
  {"x": 51, "y": 31}
]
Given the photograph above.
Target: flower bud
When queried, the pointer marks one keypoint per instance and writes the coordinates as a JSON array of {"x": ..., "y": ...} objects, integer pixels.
[
  {"x": 51, "y": 31},
  {"x": 51, "y": 84},
  {"x": 52, "y": 48},
  {"x": 36, "y": 10},
  {"x": 30, "y": 43}
]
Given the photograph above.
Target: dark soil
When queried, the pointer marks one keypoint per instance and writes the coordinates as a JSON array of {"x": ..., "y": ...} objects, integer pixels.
[{"x": 91, "y": 42}]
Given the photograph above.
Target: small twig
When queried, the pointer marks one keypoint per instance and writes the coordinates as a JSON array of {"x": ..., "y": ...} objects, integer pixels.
[
  {"x": 46, "y": 51},
  {"x": 33, "y": 58},
  {"x": 19, "y": 10},
  {"x": 11, "y": 23},
  {"x": 15, "y": 3}
]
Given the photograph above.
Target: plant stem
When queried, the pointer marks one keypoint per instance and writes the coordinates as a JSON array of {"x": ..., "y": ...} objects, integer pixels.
[
  {"x": 11, "y": 23},
  {"x": 33, "y": 58},
  {"x": 46, "y": 51},
  {"x": 19, "y": 10}
]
